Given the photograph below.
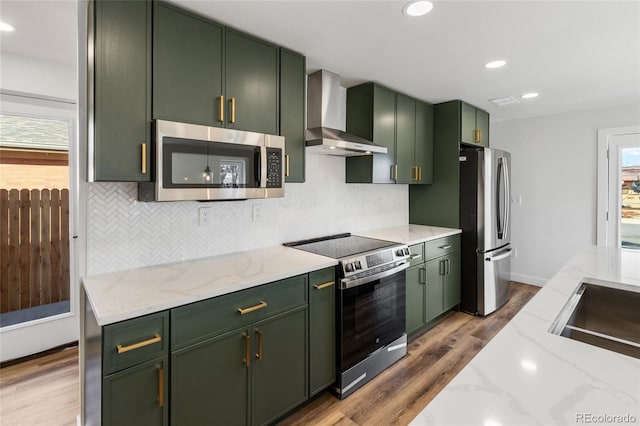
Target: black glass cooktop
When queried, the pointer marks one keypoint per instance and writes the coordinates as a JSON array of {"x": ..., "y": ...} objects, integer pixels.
[{"x": 340, "y": 246}]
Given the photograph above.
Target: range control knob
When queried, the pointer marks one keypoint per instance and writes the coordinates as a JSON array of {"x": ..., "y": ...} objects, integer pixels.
[
  {"x": 358, "y": 265},
  {"x": 400, "y": 252},
  {"x": 349, "y": 267},
  {"x": 406, "y": 251}
]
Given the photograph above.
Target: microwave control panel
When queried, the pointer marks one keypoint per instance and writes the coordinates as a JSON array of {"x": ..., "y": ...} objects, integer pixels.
[{"x": 274, "y": 168}]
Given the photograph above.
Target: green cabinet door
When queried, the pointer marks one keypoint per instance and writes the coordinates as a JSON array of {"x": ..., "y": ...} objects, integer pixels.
[
  {"x": 322, "y": 330},
  {"x": 292, "y": 113},
  {"x": 251, "y": 83},
  {"x": 424, "y": 142},
  {"x": 452, "y": 281},
  {"x": 209, "y": 382},
  {"x": 467, "y": 123},
  {"x": 434, "y": 288},
  {"x": 415, "y": 298},
  {"x": 122, "y": 96},
  {"x": 136, "y": 396},
  {"x": 407, "y": 171},
  {"x": 482, "y": 123},
  {"x": 187, "y": 67},
  {"x": 279, "y": 366}
]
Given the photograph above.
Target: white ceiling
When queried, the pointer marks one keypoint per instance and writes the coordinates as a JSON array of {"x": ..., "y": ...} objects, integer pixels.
[{"x": 577, "y": 54}]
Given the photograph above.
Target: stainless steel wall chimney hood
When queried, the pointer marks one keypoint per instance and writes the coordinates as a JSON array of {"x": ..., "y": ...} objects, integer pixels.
[{"x": 324, "y": 133}]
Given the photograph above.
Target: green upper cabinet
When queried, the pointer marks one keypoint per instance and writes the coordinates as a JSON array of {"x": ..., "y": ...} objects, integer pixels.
[
  {"x": 251, "y": 83},
  {"x": 208, "y": 74},
  {"x": 423, "y": 157},
  {"x": 122, "y": 91},
  {"x": 292, "y": 113},
  {"x": 474, "y": 125},
  {"x": 187, "y": 67},
  {"x": 396, "y": 121}
]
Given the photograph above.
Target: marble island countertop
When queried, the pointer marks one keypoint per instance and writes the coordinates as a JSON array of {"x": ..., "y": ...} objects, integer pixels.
[
  {"x": 118, "y": 296},
  {"x": 528, "y": 376}
]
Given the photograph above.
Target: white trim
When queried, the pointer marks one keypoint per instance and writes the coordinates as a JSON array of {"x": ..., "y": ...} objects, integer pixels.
[
  {"x": 528, "y": 279},
  {"x": 604, "y": 236}
]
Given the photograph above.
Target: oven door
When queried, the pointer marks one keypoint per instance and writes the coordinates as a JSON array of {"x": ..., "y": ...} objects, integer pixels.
[{"x": 371, "y": 314}]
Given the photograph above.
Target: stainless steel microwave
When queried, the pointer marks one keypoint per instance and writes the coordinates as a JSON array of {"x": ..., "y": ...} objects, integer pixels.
[{"x": 193, "y": 162}]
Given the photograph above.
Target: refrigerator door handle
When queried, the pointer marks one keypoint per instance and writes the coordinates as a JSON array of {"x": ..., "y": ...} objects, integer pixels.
[
  {"x": 504, "y": 255},
  {"x": 499, "y": 177},
  {"x": 507, "y": 193}
]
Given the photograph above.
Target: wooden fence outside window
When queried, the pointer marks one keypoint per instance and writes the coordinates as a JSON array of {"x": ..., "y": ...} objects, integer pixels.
[{"x": 34, "y": 248}]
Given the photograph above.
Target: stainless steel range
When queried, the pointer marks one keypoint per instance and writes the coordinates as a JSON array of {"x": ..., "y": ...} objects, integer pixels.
[{"x": 370, "y": 305}]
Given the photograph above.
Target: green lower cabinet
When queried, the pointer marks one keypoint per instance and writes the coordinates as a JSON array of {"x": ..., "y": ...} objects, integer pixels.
[
  {"x": 452, "y": 281},
  {"x": 322, "y": 330},
  {"x": 137, "y": 395},
  {"x": 209, "y": 382},
  {"x": 279, "y": 366},
  {"x": 434, "y": 289},
  {"x": 415, "y": 298}
]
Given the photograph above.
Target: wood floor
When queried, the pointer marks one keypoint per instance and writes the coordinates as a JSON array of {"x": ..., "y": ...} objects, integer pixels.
[{"x": 45, "y": 391}]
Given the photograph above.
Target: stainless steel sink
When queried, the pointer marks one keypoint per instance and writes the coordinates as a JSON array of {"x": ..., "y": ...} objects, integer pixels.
[{"x": 603, "y": 314}]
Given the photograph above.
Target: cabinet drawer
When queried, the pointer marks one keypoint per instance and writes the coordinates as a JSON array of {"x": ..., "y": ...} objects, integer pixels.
[
  {"x": 442, "y": 246},
  {"x": 417, "y": 254},
  {"x": 135, "y": 341},
  {"x": 212, "y": 317}
]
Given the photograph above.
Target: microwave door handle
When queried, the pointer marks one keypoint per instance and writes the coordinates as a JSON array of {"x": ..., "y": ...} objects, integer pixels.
[{"x": 258, "y": 167}]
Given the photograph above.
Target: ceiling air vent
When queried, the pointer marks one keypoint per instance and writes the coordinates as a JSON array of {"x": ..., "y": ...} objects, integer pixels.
[{"x": 504, "y": 101}]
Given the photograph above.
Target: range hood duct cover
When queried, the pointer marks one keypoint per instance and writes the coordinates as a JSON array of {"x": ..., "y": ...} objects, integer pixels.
[{"x": 323, "y": 120}]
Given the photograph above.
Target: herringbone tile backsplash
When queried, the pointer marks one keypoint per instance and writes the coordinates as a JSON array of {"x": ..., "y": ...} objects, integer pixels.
[{"x": 124, "y": 233}]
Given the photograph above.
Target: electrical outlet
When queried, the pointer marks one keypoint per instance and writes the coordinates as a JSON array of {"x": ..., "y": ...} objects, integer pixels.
[
  {"x": 255, "y": 212},
  {"x": 515, "y": 252},
  {"x": 204, "y": 216}
]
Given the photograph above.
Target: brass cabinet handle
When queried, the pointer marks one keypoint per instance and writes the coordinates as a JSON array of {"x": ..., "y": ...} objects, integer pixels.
[
  {"x": 325, "y": 285},
  {"x": 233, "y": 110},
  {"x": 419, "y": 174},
  {"x": 247, "y": 349},
  {"x": 447, "y": 247},
  {"x": 479, "y": 135},
  {"x": 448, "y": 266},
  {"x": 160, "y": 387},
  {"x": 259, "y": 354},
  {"x": 155, "y": 339},
  {"x": 423, "y": 276},
  {"x": 414, "y": 173},
  {"x": 260, "y": 305},
  {"x": 394, "y": 172},
  {"x": 442, "y": 267},
  {"x": 144, "y": 158},
  {"x": 286, "y": 165},
  {"x": 221, "y": 118}
]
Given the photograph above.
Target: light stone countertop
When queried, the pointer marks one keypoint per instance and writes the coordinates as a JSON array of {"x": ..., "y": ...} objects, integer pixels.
[
  {"x": 410, "y": 234},
  {"x": 123, "y": 295},
  {"x": 528, "y": 376}
]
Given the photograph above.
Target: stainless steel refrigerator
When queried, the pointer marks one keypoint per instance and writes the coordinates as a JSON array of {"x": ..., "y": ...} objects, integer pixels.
[{"x": 486, "y": 229}]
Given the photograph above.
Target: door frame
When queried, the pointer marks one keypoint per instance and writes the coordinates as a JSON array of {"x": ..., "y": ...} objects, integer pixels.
[
  {"x": 39, "y": 335},
  {"x": 605, "y": 236}
]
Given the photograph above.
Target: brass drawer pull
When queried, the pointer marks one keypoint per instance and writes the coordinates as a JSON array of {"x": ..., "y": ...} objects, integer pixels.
[
  {"x": 122, "y": 349},
  {"x": 247, "y": 349},
  {"x": 259, "y": 354},
  {"x": 325, "y": 285},
  {"x": 260, "y": 305},
  {"x": 415, "y": 256},
  {"x": 144, "y": 159},
  {"x": 160, "y": 387},
  {"x": 447, "y": 247}
]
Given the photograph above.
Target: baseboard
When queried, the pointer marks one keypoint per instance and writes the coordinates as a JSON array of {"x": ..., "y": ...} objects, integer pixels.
[{"x": 527, "y": 279}]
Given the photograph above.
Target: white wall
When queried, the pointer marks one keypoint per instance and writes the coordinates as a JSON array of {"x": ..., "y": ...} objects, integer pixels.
[
  {"x": 554, "y": 170},
  {"x": 35, "y": 76},
  {"x": 124, "y": 233}
]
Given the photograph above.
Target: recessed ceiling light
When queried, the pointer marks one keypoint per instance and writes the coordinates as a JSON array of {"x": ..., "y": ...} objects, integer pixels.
[
  {"x": 529, "y": 95},
  {"x": 6, "y": 27},
  {"x": 495, "y": 64},
  {"x": 417, "y": 8}
]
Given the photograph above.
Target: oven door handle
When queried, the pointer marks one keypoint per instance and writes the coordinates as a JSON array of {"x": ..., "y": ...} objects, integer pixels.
[{"x": 346, "y": 283}]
